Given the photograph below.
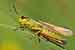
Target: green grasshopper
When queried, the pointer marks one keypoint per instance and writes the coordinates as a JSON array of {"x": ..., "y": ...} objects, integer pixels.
[{"x": 47, "y": 31}]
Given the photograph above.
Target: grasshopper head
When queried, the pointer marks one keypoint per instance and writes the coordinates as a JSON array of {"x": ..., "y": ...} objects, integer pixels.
[
  {"x": 24, "y": 17},
  {"x": 23, "y": 20}
]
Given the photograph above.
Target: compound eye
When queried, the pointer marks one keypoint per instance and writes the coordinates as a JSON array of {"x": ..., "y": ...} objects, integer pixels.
[{"x": 24, "y": 17}]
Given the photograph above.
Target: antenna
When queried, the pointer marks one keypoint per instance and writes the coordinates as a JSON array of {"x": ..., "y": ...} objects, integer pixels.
[{"x": 13, "y": 10}]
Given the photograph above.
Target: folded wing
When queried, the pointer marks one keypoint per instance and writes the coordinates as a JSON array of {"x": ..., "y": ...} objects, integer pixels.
[{"x": 61, "y": 30}]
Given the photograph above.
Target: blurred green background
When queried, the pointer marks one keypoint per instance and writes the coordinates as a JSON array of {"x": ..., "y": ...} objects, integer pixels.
[{"x": 59, "y": 12}]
